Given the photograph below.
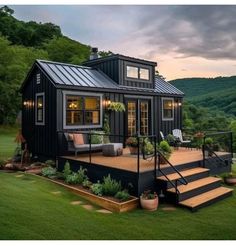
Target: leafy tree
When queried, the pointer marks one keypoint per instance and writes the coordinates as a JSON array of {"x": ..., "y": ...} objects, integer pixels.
[{"x": 66, "y": 50}]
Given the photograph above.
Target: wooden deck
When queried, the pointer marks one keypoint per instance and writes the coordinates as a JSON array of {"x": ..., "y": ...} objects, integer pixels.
[{"x": 129, "y": 162}]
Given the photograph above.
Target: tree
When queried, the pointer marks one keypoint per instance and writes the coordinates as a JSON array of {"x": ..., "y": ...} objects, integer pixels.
[{"x": 7, "y": 10}]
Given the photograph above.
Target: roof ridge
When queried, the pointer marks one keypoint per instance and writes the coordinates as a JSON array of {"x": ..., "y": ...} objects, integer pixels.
[{"x": 66, "y": 64}]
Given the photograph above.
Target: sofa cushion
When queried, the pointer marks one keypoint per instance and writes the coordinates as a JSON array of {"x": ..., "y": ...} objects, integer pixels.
[{"x": 78, "y": 139}]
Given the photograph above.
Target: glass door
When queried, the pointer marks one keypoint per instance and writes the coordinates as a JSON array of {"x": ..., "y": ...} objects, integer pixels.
[
  {"x": 131, "y": 118},
  {"x": 137, "y": 117}
]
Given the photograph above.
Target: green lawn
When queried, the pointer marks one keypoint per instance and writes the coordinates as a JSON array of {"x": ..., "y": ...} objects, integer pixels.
[
  {"x": 7, "y": 144},
  {"x": 28, "y": 210}
]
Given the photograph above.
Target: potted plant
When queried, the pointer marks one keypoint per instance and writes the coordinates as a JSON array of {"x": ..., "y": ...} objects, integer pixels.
[
  {"x": 149, "y": 201},
  {"x": 132, "y": 143},
  {"x": 165, "y": 149},
  {"x": 209, "y": 144},
  {"x": 230, "y": 179}
]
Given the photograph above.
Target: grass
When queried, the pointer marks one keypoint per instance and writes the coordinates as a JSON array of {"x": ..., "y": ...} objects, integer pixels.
[
  {"x": 29, "y": 210},
  {"x": 7, "y": 144}
]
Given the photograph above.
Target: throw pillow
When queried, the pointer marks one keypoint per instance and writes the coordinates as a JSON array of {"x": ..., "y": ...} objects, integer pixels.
[{"x": 78, "y": 139}]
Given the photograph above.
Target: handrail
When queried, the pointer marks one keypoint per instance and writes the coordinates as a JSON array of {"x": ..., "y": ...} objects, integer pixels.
[
  {"x": 176, "y": 170},
  {"x": 206, "y": 147}
]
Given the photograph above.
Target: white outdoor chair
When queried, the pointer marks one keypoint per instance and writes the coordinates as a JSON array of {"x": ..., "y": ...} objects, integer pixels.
[{"x": 177, "y": 133}]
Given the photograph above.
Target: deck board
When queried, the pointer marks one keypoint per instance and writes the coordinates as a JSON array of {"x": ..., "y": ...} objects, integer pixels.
[{"x": 129, "y": 162}]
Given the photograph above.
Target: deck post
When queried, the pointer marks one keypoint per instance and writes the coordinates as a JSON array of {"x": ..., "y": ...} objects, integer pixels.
[
  {"x": 155, "y": 156},
  {"x": 203, "y": 151},
  {"x": 89, "y": 137},
  {"x": 138, "y": 160},
  {"x": 231, "y": 144}
]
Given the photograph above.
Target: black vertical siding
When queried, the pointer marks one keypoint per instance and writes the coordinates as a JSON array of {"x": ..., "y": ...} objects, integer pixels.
[{"x": 41, "y": 139}]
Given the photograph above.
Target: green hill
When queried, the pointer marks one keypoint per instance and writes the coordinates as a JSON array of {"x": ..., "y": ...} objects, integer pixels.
[{"x": 215, "y": 93}]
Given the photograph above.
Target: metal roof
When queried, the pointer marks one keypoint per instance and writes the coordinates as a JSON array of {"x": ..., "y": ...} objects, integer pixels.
[
  {"x": 74, "y": 75},
  {"x": 161, "y": 86}
]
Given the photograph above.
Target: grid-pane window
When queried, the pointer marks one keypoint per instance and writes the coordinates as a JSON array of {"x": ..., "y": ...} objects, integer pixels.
[
  {"x": 144, "y": 118},
  {"x": 39, "y": 108},
  {"x": 132, "y": 72},
  {"x": 131, "y": 118},
  {"x": 144, "y": 73},
  {"x": 82, "y": 110},
  {"x": 168, "y": 109}
]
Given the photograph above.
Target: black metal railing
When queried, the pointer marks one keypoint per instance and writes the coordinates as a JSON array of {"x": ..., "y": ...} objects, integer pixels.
[{"x": 220, "y": 143}]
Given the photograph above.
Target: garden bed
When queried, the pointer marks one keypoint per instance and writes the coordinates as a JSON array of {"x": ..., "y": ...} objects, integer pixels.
[{"x": 109, "y": 203}]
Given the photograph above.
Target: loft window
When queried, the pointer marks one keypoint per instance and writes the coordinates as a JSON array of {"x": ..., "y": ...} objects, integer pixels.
[
  {"x": 144, "y": 73},
  {"x": 132, "y": 72},
  {"x": 38, "y": 78},
  {"x": 167, "y": 108},
  {"x": 83, "y": 110},
  {"x": 137, "y": 73},
  {"x": 39, "y": 109}
]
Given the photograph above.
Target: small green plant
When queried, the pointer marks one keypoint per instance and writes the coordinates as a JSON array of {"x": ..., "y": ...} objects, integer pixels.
[
  {"x": 87, "y": 184},
  {"x": 81, "y": 175},
  {"x": 209, "y": 141},
  {"x": 66, "y": 170},
  {"x": 72, "y": 178},
  {"x": 165, "y": 149},
  {"x": 171, "y": 139},
  {"x": 97, "y": 189},
  {"x": 122, "y": 195},
  {"x": 48, "y": 172},
  {"x": 148, "y": 147},
  {"x": 132, "y": 142},
  {"x": 110, "y": 186},
  {"x": 147, "y": 195},
  {"x": 97, "y": 137},
  {"x": 116, "y": 106},
  {"x": 50, "y": 163}
]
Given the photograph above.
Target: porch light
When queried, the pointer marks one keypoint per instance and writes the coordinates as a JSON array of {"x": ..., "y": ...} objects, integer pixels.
[
  {"x": 107, "y": 102},
  {"x": 180, "y": 104},
  {"x": 25, "y": 103}
]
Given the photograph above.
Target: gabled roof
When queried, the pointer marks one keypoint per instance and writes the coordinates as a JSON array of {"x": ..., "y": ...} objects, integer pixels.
[
  {"x": 74, "y": 75},
  {"x": 163, "y": 87}
]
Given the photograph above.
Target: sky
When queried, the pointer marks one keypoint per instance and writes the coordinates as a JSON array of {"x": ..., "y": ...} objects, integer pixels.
[{"x": 185, "y": 41}]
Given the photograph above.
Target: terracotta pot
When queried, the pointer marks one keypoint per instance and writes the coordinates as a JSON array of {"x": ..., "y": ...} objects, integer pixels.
[
  {"x": 230, "y": 180},
  {"x": 133, "y": 150},
  {"x": 149, "y": 204}
]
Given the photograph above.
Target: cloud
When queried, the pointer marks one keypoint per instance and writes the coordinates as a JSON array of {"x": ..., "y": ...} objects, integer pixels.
[{"x": 191, "y": 31}]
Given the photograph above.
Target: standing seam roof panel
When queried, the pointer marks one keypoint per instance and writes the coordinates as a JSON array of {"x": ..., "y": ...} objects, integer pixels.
[{"x": 81, "y": 82}]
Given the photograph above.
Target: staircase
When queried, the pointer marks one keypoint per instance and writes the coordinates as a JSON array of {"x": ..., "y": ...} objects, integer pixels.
[{"x": 201, "y": 189}]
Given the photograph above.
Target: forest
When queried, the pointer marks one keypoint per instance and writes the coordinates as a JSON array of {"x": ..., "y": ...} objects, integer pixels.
[{"x": 208, "y": 104}]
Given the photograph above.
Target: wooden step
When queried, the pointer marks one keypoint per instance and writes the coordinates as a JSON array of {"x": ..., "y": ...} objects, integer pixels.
[
  {"x": 206, "y": 198},
  {"x": 185, "y": 173},
  {"x": 195, "y": 184}
]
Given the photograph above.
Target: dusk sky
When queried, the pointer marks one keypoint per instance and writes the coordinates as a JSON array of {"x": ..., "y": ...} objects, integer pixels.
[{"x": 185, "y": 41}]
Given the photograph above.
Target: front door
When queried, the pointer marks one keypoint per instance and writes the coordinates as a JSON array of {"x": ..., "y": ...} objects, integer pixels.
[{"x": 138, "y": 116}]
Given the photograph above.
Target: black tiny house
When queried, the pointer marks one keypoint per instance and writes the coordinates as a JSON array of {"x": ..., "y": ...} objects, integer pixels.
[{"x": 51, "y": 89}]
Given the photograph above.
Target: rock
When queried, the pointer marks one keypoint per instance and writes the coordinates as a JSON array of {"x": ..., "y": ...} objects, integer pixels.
[
  {"x": 9, "y": 166},
  {"x": 34, "y": 171}
]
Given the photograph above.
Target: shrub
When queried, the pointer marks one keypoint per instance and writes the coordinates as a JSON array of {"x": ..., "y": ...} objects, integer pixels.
[
  {"x": 165, "y": 149},
  {"x": 72, "y": 178},
  {"x": 209, "y": 141},
  {"x": 48, "y": 172},
  {"x": 81, "y": 175},
  {"x": 170, "y": 139},
  {"x": 122, "y": 195},
  {"x": 148, "y": 147},
  {"x": 66, "y": 170},
  {"x": 50, "y": 163},
  {"x": 110, "y": 186},
  {"x": 87, "y": 184},
  {"x": 97, "y": 189},
  {"x": 97, "y": 137}
]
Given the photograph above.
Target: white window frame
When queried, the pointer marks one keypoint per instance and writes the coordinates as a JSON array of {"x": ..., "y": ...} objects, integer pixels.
[
  {"x": 75, "y": 93},
  {"x": 39, "y": 123},
  {"x": 128, "y": 64},
  {"x": 162, "y": 108}
]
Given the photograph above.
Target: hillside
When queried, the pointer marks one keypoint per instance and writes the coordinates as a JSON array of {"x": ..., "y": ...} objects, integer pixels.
[{"x": 215, "y": 93}]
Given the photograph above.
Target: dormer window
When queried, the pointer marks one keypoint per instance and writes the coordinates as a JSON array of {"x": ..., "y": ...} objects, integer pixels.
[
  {"x": 38, "y": 78},
  {"x": 132, "y": 72},
  {"x": 144, "y": 73},
  {"x": 137, "y": 73}
]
